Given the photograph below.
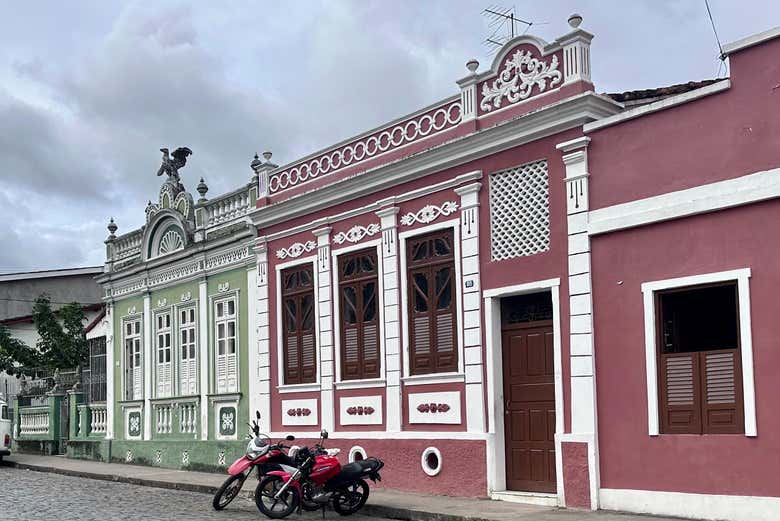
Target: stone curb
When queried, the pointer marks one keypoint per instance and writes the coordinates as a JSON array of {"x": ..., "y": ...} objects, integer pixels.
[{"x": 373, "y": 510}]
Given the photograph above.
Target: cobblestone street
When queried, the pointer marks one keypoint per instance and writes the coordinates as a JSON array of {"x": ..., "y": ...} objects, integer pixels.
[{"x": 29, "y": 495}]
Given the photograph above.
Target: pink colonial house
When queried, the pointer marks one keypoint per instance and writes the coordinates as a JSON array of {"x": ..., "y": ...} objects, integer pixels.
[{"x": 449, "y": 290}]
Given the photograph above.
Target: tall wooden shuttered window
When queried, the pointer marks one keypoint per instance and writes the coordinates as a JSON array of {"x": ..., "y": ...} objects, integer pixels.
[
  {"x": 298, "y": 321},
  {"x": 432, "y": 311},
  {"x": 700, "y": 374},
  {"x": 359, "y": 315}
]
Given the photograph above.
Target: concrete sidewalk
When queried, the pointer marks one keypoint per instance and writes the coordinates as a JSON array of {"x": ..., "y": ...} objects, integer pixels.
[{"x": 382, "y": 502}]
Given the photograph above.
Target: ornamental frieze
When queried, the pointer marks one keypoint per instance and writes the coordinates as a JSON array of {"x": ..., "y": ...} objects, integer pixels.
[
  {"x": 429, "y": 213},
  {"x": 296, "y": 250},
  {"x": 357, "y": 233}
]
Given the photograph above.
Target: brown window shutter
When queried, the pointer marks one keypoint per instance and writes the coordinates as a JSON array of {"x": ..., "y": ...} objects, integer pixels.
[
  {"x": 432, "y": 309},
  {"x": 680, "y": 393},
  {"x": 722, "y": 411},
  {"x": 359, "y": 315},
  {"x": 299, "y": 349}
]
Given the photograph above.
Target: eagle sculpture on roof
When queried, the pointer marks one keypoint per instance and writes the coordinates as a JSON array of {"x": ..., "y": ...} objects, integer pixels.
[{"x": 171, "y": 163}]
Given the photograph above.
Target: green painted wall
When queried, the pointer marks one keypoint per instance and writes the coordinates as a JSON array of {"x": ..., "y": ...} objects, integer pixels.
[{"x": 237, "y": 281}]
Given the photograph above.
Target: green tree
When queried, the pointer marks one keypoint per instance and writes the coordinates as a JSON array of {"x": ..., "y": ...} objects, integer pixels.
[{"x": 62, "y": 343}]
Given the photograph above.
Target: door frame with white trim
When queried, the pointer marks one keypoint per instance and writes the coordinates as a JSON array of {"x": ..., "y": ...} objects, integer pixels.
[{"x": 496, "y": 454}]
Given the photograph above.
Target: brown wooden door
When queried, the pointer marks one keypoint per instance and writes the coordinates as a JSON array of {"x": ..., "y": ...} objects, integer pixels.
[{"x": 529, "y": 406}]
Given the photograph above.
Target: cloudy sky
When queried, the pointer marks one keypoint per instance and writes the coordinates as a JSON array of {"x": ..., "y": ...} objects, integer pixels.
[{"x": 89, "y": 91}]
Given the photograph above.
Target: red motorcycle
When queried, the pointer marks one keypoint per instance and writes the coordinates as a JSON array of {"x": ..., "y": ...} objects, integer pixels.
[
  {"x": 260, "y": 453},
  {"x": 319, "y": 480}
]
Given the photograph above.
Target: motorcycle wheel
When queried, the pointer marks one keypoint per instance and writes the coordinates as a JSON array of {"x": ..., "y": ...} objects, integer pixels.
[
  {"x": 271, "y": 507},
  {"x": 351, "y": 498},
  {"x": 306, "y": 501},
  {"x": 228, "y": 491}
]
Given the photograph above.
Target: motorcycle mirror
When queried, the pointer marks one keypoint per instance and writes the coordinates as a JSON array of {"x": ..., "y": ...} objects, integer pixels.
[
  {"x": 289, "y": 437},
  {"x": 257, "y": 414},
  {"x": 324, "y": 434}
]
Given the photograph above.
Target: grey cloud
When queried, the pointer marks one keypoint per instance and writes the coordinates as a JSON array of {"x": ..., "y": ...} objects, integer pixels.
[{"x": 92, "y": 91}]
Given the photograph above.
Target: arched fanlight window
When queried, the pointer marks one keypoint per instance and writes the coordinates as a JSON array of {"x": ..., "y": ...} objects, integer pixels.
[{"x": 170, "y": 242}]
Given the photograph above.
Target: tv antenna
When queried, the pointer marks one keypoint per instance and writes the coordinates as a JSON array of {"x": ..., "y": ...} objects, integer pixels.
[{"x": 505, "y": 25}]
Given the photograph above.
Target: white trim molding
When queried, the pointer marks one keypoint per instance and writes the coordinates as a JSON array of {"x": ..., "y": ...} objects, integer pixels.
[
  {"x": 742, "y": 278},
  {"x": 666, "y": 103},
  {"x": 750, "y": 41},
  {"x": 696, "y": 506},
  {"x": 495, "y": 452},
  {"x": 730, "y": 193}
]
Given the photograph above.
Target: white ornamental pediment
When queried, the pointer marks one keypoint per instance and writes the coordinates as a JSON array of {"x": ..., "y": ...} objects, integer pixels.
[{"x": 516, "y": 81}]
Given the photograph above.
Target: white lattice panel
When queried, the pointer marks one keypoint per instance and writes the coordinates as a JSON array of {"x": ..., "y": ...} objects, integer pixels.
[{"x": 519, "y": 211}]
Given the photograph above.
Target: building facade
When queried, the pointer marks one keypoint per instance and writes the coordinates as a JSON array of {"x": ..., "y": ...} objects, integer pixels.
[{"x": 447, "y": 290}]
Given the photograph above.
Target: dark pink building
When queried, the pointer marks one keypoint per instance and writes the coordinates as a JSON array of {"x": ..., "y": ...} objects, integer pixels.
[{"x": 535, "y": 292}]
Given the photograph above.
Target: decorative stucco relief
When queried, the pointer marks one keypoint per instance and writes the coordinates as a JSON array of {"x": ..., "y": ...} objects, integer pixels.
[
  {"x": 521, "y": 73},
  {"x": 357, "y": 233},
  {"x": 296, "y": 250},
  {"x": 429, "y": 213},
  {"x": 405, "y": 132}
]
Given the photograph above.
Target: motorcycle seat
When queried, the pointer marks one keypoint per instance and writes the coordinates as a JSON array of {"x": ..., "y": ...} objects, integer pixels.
[
  {"x": 369, "y": 465},
  {"x": 351, "y": 471}
]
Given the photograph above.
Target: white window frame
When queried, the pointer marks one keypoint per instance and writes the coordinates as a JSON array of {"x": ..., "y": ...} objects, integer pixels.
[
  {"x": 214, "y": 300},
  {"x": 458, "y": 376},
  {"x": 366, "y": 382},
  {"x": 281, "y": 386},
  {"x": 742, "y": 278},
  {"x": 140, "y": 336},
  {"x": 166, "y": 330},
  {"x": 196, "y": 340}
]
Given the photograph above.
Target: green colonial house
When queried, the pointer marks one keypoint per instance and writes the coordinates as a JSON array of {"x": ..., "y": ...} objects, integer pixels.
[{"x": 177, "y": 293}]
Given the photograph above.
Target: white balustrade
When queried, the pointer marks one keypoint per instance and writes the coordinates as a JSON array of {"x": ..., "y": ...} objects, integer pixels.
[
  {"x": 163, "y": 418},
  {"x": 98, "y": 420},
  {"x": 228, "y": 207},
  {"x": 188, "y": 418},
  {"x": 32, "y": 423}
]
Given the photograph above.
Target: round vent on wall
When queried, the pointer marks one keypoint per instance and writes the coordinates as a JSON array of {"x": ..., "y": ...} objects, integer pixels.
[{"x": 431, "y": 461}]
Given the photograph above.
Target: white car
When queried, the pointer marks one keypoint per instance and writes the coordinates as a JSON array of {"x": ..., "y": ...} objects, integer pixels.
[{"x": 5, "y": 429}]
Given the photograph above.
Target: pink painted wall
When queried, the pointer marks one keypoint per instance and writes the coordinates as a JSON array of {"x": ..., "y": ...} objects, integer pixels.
[
  {"x": 723, "y": 136},
  {"x": 576, "y": 477},
  {"x": 463, "y": 471},
  {"x": 718, "y": 137},
  {"x": 716, "y": 464}
]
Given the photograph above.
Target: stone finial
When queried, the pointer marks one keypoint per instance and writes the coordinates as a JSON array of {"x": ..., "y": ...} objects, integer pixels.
[
  {"x": 472, "y": 65},
  {"x": 112, "y": 227},
  {"x": 255, "y": 162},
  {"x": 575, "y": 20},
  {"x": 267, "y": 156},
  {"x": 202, "y": 188}
]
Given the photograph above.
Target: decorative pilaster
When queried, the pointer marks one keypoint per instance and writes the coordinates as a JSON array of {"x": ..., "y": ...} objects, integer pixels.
[
  {"x": 392, "y": 333},
  {"x": 110, "y": 371},
  {"x": 253, "y": 385},
  {"x": 583, "y": 383},
  {"x": 325, "y": 307},
  {"x": 472, "y": 312},
  {"x": 148, "y": 359},
  {"x": 203, "y": 356},
  {"x": 263, "y": 337}
]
